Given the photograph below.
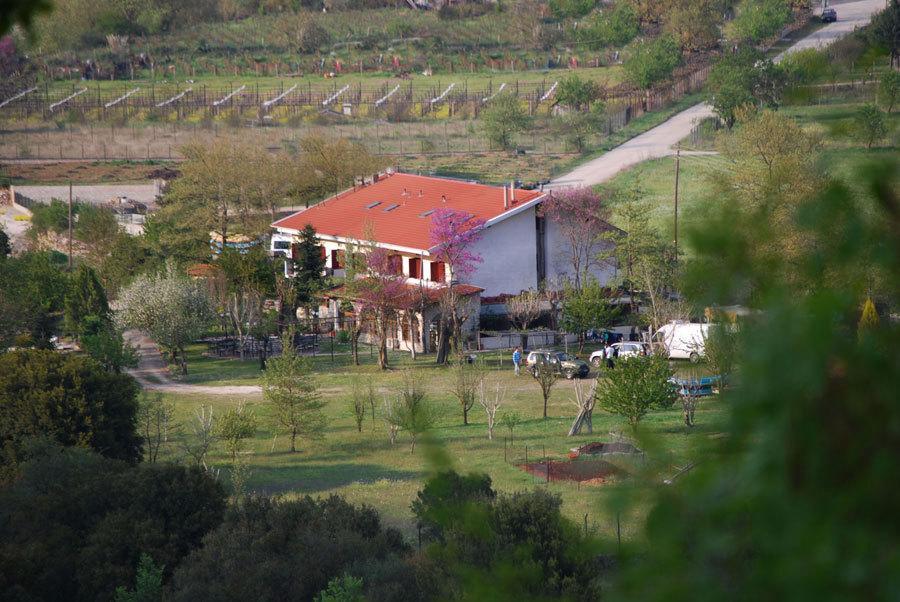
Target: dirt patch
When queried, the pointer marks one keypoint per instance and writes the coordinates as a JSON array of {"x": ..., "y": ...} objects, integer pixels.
[
  {"x": 604, "y": 449},
  {"x": 590, "y": 472},
  {"x": 81, "y": 172}
]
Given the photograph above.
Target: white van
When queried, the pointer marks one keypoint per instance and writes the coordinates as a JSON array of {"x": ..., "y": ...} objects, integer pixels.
[{"x": 683, "y": 340}]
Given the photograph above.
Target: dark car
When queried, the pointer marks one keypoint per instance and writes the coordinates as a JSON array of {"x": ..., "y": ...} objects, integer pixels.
[
  {"x": 829, "y": 15},
  {"x": 561, "y": 363}
]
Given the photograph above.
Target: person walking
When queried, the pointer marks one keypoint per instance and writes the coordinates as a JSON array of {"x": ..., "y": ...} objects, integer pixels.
[
  {"x": 517, "y": 360},
  {"x": 608, "y": 353}
]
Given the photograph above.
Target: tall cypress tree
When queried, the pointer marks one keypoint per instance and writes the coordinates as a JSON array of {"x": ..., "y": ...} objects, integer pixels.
[
  {"x": 85, "y": 297},
  {"x": 309, "y": 264}
]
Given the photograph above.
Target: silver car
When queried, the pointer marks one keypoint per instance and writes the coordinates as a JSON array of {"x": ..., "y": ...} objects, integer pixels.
[{"x": 625, "y": 348}]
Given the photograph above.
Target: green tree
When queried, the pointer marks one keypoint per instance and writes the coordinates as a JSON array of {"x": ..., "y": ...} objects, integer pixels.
[
  {"x": 233, "y": 427},
  {"x": 576, "y": 93},
  {"x": 885, "y": 30},
  {"x": 744, "y": 79},
  {"x": 611, "y": 27},
  {"x": 760, "y": 19},
  {"x": 870, "y": 124},
  {"x": 650, "y": 62},
  {"x": 889, "y": 89},
  {"x": 85, "y": 297},
  {"x": 545, "y": 377},
  {"x": 636, "y": 385},
  {"x": 289, "y": 385},
  {"x": 503, "y": 120},
  {"x": 103, "y": 342},
  {"x": 76, "y": 524},
  {"x": 413, "y": 411},
  {"x": 562, "y": 9},
  {"x": 264, "y": 550},
  {"x": 148, "y": 585},
  {"x": 309, "y": 265},
  {"x": 586, "y": 309},
  {"x": 69, "y": 399},
  {"x": 721, "y": 346},
  {"x": 249, "y": 280},
  {"x": 694, "y": 23},
  {"x": 156, "y": 423},
  {"x": 169, "y": 307},
  {"x": 346, "y": 588},
  {"x": 447, "y": 502},
  {"x": 32, "y": 293},
  {"x": 21, "y": 12},
  {"x": 579, "y": 128},
  {"x": 467, "y": 382}
]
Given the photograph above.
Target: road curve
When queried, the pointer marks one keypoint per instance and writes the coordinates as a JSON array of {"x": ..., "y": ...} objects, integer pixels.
[{"x": 658, "y": 142}]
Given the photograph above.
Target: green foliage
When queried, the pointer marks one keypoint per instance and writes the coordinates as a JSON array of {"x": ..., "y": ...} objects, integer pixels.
[
  {"x": 76, "y": 523},
  {"x": 805, "y": 66},
  {"x": 650, "y": 62},
  {"x": 587, "y": 308},
  {"x": 69, "y": 399},
  {"x": 562, "y": 9},
  {"x": 309, "y": 264},
  {"x": 760, "y": 19},
  {"x": 885, "y": 30},
  {"x": 611, "y": 27},
  {"x": 746, "y": 79},
  {"x": 290, "y": 386},
  {"x": 468, "y": 380},
  {"x": 545, "y": 376},
  {"x": 21, "y": 12},
  {"x": 342, "y": 589},
  {"x": 234, "y": 426},
  {"x": 509, "y": 421},
  {"x": 413, "y": 412},
  {"x": 96, "y": 226},
  {"x": 103, "y": 342},
  {"x": 694, "y": 23},
  {"x": 798, "y": 446},
  {"x": 870, "y": 125},
  {"x": 85, "y": 297},
  {"x": 722, "y": 345},
  {"x": 635, "y": 386},
  {"x": 52, "y": 218},
  {"x": 450, "y": 502},
  {"x": 503, "y": 120},
  {"x": 148, "y": 586},
  {"x": 576, "y": 93},
  {"x": 888, "y": 93},
  {"x": 32, "y": 292},
  {"x": 286, "y": 550}
]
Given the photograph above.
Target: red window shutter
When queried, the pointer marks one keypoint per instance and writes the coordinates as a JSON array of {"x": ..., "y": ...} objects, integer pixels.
[
  {"x": 337, "y": 259},
  {"x": 437, "y": 271},
  {"x": 415, "y": 267}
]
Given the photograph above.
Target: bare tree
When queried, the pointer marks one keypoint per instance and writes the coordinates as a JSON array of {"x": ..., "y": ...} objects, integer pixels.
[
  {"x": 491, "y": 403},
  {"x": 546, "y": 377},
  {"x": 202, "y": 435},
  {"x": 156, "y": 421},
  {"x": 585, "y": 402},
  {"x": 358, "y": 403},
  {"x": 467, "y": 378},
  {"x": 524, "y": 308},
  {"x": 391, "y": 419}
]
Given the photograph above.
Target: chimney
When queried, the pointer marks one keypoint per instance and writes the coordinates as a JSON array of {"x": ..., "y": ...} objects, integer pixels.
[
  {"x": 512, "y": 192},
  {"x": 421, "y": 194},
  {"x": 505, "y": 198},
  {"x": 443, "y": 198},
  {"x": 374, "y": 178},
  {"x": 405, "y": 192}
]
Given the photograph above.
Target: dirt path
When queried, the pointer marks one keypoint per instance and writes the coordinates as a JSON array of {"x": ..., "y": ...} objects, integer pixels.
[
  {"x": 153, "y": 373},
  {"x": 659, "y": 141}
]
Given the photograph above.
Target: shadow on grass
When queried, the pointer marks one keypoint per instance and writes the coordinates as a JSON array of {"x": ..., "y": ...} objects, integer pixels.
[{"x": 315, "y": 478}]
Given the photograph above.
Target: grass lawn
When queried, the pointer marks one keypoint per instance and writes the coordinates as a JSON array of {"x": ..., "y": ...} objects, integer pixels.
[{"x": 365, "y": 468}]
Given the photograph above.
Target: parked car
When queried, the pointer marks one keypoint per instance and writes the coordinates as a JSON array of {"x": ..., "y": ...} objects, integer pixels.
[
  {"x": 829, "y": 15},
  {"x": 683, "y": 340},
  {"x": 561, "y": 363},
  {"x": 626, "y": 349}
]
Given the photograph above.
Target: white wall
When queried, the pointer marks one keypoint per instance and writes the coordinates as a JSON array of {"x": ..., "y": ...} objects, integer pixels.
[
  {"x": 508, "y": 251},
  {"x": 559, "y": 262}
]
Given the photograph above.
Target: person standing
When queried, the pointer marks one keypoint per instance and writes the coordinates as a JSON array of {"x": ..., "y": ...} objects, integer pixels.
[
  {"x": 517, "y": 360},
  {"x": 608, "y": 353}
]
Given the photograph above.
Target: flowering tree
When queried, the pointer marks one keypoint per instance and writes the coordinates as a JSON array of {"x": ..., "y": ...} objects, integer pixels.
[
  {"x": 381, "y": 295},
  {"x": 453, "y": 233},
  {"x": 580, "y": 216}
]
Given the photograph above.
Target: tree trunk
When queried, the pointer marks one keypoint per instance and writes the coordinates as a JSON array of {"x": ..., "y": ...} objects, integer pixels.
[
  {"x": 382, "y": 354},
  {"x": 443, "y": 346},
  {"x": 354, "y": 344},
  {"x": 545, "y": 406},
  {"x": 465, "y": 416},
  {"x": 293, "y": 440},
  {"x": 182, "y": 361}
]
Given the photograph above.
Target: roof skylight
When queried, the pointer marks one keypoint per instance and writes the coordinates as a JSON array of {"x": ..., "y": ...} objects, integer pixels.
[
  {"x": 373, "y": 205},
  {"x": 391, "y": 207}
]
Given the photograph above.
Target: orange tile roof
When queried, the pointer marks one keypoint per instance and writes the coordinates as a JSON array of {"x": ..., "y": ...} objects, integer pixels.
[{"x": 349, "y": 214}]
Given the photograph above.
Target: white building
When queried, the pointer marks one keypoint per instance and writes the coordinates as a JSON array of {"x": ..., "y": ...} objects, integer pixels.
[{"x": 519, "y": 248}]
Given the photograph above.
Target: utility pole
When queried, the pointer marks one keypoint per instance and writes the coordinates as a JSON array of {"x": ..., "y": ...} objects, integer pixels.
[
  {"x": 70, "y": 225},
  {"x": 677, "y": 170}
]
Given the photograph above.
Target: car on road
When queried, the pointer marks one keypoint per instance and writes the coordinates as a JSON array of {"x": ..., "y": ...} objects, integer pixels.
[
  {"x": 625, "y": 349},
  {"x": 561, "y": 363},
  {"x": 829, "y": 15}
]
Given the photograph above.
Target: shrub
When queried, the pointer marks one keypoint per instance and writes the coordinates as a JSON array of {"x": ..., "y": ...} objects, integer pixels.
[
  {"x": 613, "y": 27},
  {"x": 651, "y": 62},
  {"x": 761, "y": 19}
]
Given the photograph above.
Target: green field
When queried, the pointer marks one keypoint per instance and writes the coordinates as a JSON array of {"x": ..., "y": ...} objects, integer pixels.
[{"x": 364, "y": 467}]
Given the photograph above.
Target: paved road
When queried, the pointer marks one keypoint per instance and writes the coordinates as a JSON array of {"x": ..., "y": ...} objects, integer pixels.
[{"x": 658, "y": 142}]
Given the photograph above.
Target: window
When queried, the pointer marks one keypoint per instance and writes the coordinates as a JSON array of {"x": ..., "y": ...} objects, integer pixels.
[
  {"x": 415, "y": 267},
  {"x": 281, "y": 245},
  {"x": 337, "y": 259},
  {"x": 437, "y": 271},
  {"x": 426, "y": 213},
  {"x": 395, "y": 264}
]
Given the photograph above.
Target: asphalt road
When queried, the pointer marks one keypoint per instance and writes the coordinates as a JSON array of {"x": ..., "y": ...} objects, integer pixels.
[{"x": 659, "y": 141}]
